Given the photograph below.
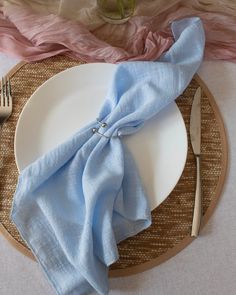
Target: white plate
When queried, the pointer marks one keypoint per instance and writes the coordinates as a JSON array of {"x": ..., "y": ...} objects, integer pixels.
[{"x": 72, "y": 98}]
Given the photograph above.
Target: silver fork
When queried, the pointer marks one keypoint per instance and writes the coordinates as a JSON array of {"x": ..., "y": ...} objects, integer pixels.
[{"x": 6, "y": 100}]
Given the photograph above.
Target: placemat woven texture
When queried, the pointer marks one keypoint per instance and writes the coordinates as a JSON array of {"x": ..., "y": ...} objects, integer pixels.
[{"x": 171, "y": 221}]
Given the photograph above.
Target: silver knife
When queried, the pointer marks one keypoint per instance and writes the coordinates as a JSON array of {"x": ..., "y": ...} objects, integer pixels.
[{"x": 195, "y": 136}]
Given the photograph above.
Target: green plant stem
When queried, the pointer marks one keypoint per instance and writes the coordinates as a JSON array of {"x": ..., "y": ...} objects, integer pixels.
[
  {"x": 121, "y": 8},
  {"x": 121, "y": 5}
]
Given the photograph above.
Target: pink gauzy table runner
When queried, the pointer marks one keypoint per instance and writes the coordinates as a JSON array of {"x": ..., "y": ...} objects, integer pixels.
[{"x": 33, "y": 35}]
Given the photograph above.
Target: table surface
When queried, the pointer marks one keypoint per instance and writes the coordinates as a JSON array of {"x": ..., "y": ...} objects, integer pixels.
[{"x": 206, "y": 267}]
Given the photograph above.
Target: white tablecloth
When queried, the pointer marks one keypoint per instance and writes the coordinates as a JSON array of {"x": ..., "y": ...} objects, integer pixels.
[{"x": 206, "y": 267}]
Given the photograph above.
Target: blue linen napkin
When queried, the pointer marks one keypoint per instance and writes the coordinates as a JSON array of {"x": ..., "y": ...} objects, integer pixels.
[{"x": 75, "y": 203}]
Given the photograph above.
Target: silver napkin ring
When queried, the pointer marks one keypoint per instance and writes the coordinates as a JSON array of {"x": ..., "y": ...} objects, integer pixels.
[
  {"x": 103, "y": 125},
  {"x": 95, "y": 130}
]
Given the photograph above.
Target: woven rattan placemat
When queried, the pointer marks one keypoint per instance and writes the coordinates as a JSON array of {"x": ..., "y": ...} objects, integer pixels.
[{"x": 171, "y": 221}]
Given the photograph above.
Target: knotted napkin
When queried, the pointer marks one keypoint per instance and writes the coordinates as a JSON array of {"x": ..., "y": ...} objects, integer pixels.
[{"x": 75, "y": 203}]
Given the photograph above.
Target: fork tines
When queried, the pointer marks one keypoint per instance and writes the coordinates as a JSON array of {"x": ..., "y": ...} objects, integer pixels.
[{"x": 6, "y": 98}]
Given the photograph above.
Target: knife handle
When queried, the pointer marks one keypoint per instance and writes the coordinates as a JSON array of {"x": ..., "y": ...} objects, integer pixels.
[{"x": 197, "y": 213}]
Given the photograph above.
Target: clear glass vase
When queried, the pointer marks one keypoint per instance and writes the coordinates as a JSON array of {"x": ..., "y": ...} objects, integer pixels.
[{"x": 116, "y": 11}]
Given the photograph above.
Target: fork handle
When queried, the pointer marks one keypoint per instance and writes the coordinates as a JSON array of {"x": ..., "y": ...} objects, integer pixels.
[{"x": 197, "y": 213}]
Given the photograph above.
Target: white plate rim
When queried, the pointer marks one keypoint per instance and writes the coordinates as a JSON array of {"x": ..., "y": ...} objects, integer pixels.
[{"x": 34, "y": 94}]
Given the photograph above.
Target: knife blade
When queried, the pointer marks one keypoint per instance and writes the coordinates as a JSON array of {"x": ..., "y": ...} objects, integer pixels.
[
  {"x": 195, "y": 137},
  {"x": 195, "y": 122}
]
